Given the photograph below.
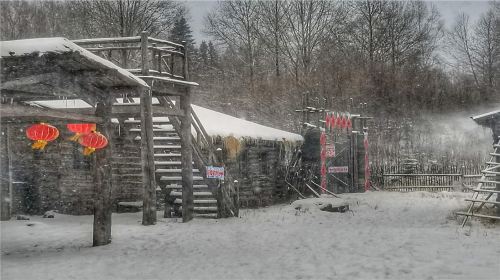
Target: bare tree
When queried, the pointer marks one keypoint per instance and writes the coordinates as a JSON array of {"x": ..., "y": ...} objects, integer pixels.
[{"x": 234, "y": 23}]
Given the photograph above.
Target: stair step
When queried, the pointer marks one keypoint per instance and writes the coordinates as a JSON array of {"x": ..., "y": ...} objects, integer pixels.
[
  {"x": 155, "y": 130},
  {"x": 179, "y": 178},
  {"x": 154, "y": 121},
  {"x": 168, "y": 155},
  {"x": 167, "y": 147},
  {"x": 206, "y": 215},
  {"x": 194, "y": 193},
  {"x": 176, "y": 186},
  {"x": 167, "y": 163},
  {"x": 173, "y": 170},
  {"x": 483, "y": 201},
  {"x": 161, "y": 138},
  {"x": 197, "y": 201},
  {"x": 203, "y": 208}
]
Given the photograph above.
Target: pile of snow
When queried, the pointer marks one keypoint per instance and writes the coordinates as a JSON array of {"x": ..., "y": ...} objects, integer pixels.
[
  {"x": 42, "y": 46},
  {"x": 385, "y": 236},
  {"x": 313, "y": 204}
]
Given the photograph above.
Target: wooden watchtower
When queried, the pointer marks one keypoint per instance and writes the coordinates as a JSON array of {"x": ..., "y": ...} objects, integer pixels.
[{"x": 100, "y": 71}]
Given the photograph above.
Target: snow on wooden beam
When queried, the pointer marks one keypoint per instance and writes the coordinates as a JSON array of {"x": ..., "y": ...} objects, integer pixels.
[
  {"x": 134, "y": 39},
  {"x": 169, "y": 80}
]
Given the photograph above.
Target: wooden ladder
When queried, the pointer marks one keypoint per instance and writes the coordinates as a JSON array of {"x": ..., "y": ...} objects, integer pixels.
[{"x": 485, "y": 187}]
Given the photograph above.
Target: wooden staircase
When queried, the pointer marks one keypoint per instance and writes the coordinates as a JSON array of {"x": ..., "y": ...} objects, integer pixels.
[
  {"x": 167, "y": 145},
  {"x": 487, "y": 188}
]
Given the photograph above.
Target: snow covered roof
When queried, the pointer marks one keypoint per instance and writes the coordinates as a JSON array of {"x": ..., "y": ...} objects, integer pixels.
[
  {"x": 484, "y": 119},
  {"x": 219, "y": 124},
  {"x": 59, "y": 45},
  {"x": 215, "y": 123}
]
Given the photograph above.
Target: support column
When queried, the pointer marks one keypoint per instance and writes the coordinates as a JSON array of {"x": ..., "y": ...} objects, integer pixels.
[
  {"x": 186, "y": 158},
  {"x": 186, "y": 149},
  {"x": 147, "y": 159},
  {"x": 103, "y": 177},
  {"x": 6, "y": 178}
]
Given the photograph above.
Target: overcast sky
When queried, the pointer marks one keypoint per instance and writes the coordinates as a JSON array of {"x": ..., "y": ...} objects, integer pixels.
[{"x": 448, "y": 9}]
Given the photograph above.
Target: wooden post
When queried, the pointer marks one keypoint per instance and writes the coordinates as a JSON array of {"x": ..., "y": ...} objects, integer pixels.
[
  {"x": 147, "y": 146},
  {"x": 147, "y": 158},
  {"x": 186, "y": 150},
  {"x": 103, "y": 177},
  {"x": 6, "y": 180}
]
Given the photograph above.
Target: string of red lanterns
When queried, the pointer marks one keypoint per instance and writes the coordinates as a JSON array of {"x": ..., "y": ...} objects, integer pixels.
[
  {"x": 85, "y": 134},
  {"x": 338, "y": 120}
]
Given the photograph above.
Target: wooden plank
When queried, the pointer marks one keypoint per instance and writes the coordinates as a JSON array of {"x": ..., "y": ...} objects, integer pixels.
[
  {"x": 8, "y": 112},
  {"x": 477, "y": 215},
  {"x": 168, "y": 43},
  {"x": 134, "y": 39},
  {"x": 103, "y": 178},
  {"x": 134, "y": 111}
]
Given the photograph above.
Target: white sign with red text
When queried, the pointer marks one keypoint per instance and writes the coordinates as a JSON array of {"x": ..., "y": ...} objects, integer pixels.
[{"x": 214, "y": 172}]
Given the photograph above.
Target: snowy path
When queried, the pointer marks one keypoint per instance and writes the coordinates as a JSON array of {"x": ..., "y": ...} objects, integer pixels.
[{"x": 387, "y": 236}]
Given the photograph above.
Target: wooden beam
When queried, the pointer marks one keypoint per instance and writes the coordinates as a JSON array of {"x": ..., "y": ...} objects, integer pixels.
[
  {"x": 147, "y": 147},
  {"x": 10, "y": 112},
  {"x": 148, "y": 164},
  {"x": 103, "y": 177},
  {"x": 186, "y": 150},
  {"x": 28, "y": 80}
]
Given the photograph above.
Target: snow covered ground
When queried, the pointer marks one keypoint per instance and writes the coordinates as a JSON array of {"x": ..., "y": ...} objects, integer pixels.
[{"x": 385, "y": 236}]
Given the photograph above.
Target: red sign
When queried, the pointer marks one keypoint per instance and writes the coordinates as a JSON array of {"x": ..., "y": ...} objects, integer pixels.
[{"x": 214, "y": 172}]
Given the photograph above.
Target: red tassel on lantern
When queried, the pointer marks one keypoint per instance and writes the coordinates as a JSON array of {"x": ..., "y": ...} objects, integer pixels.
[
  {"x": 92, "y": 142},
  {"x": 80, "y": 129},
  {"x": 42, "y": 134}
]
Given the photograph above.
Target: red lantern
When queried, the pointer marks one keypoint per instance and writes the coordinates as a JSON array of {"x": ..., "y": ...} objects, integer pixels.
[
  {"x": 333, "y": 121},
  {"x": 92, "y": 142},
  {"x": 339, "y": 121},
  {"x": 349, "y": 122},
  {"x": 80, "y": 129},
  {"x": 322, "y": 139},
  {"x": 42, "y": 134},
  {"x": 344, "y": 121},
  {"x": 327, "y": 121}
]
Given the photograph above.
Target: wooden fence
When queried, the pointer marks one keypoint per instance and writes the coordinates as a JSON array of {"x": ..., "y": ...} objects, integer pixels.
[{"x": 460, "y": 179}]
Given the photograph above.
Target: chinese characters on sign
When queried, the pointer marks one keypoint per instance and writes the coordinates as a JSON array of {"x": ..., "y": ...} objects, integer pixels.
[
  {"x": 338, "y": 169},
  {"x": 214, "y": 172}
]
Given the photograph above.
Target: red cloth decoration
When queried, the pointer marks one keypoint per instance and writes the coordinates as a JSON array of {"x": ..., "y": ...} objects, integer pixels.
[
  {"x": 322, "y": 138},
  {"x": 42, "y": 134},
  {"x": 349, "y": 122},
  {"x": 327, "y": 121},
  {"x": 333, "y": 121},
  {"x": 92, "y": 142},
  {"x": 80, "y": 129}
]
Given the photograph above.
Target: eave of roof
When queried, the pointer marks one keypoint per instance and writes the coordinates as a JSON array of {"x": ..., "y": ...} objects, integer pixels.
[
  {"x": 59, "y": 45},
  {"x": 484, "y": 119}
]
